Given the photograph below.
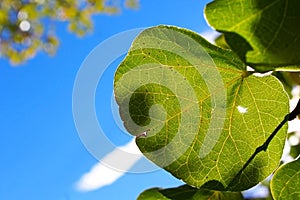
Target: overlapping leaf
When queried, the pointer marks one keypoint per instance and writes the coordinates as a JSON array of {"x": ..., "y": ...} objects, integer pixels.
[
  {"x": 186, "y": 192},
  {"x": 265, "y": 34},
  {"x": 204, "y": 115},
  {"x": 285, "y": 182}
]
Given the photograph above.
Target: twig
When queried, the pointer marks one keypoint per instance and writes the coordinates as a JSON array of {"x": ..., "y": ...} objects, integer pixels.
[
  {"x": 264, "y": 146},
  {"x": 295, "y": 112}
]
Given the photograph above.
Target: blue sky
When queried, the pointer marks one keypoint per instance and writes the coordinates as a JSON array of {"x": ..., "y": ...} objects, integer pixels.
[{"x": 41, "y": 154}]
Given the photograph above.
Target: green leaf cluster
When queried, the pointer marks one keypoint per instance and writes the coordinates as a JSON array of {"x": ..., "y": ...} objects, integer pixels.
[{"x": 204, "y": 112}]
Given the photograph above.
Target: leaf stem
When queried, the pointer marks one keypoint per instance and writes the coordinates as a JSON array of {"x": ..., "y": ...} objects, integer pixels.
[
  {"x": 295, "y": 112},
  {"x": 292, "y": 115}
]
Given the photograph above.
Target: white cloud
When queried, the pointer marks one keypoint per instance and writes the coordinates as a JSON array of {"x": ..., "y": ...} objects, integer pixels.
[
  {"x": 110, "y": 168},
  {"x": 210, "y": 35}
]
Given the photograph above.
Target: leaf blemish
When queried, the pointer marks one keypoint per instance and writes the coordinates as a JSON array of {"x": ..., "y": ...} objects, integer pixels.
[
  {"x": 143, "y": 134},
  {"x": 242, "y": 109}
]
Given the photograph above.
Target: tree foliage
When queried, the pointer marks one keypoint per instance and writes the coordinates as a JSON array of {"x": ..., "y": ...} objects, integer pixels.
[
  {"x": 28, "y": 26},
  {"x": 206, "y": 114}
]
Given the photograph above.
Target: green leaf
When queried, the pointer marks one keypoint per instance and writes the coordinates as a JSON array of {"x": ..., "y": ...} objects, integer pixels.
[
  {"x": 286, "y": 181},
  {"x": 32, "y": 11},
  {"x": 204, "y": 115},
  {"x": 186, "y": 192},
  {"x": 265, "y": 34},
  {"x": 221, "y": 42},
  {"x": 3, "y": 17},
  {"x": 295, "y": 151}
]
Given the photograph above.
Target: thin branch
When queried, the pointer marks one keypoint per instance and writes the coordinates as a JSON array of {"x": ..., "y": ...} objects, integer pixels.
[
  {"x": 264, "y": 146},
  {"x": 295, "y": 112}
]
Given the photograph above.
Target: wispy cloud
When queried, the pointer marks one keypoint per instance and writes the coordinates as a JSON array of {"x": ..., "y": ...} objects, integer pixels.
[
  {"x": 110, "y": 168},
  {"x": 210, "y": 35}
]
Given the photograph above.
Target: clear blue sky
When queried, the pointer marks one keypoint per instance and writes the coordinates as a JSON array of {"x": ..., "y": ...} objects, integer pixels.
[{"x": 41, "y": 154}]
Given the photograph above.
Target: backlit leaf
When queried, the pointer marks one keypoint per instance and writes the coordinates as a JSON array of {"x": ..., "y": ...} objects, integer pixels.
[
  {"x": 286, "y": 182},
  {"x": 186, "y": 192},
  {"x": 265, "y": 34},
  {"x": 203, "y": 113}
]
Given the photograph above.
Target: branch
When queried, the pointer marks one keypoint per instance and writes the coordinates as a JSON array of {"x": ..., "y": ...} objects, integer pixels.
[
  {"x": 264, "y": 146},
  {"x": 295, "y": 112}
]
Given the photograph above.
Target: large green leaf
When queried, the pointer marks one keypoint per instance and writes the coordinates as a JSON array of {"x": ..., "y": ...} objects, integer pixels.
[
  {"x": 204, "y": 115},
  {"x": 265, "y": 34},
  {"x": 186, "y": 192},
  {"x": 285, "y": 183}
]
